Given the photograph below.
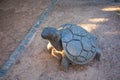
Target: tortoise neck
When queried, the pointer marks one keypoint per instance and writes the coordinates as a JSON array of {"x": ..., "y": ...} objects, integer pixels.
[{"x": 57, "y": 45}]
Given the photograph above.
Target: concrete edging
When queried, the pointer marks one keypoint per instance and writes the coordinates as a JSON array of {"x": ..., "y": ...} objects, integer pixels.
[{"x": 26, "y": 40}]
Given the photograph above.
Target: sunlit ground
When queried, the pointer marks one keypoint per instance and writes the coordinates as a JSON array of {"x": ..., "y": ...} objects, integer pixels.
[
  {"x": 112, "y": 33},
  {"x": 88, "y": 27},
  {"x": 92, "y": 25},
  {"x": 95, "y": 20},
  {"x": 111, "y": 8}
]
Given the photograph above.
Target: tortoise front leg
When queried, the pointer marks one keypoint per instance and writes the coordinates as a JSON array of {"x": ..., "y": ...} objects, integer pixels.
[
  {"x": 54, "y": 52},
  {"x": 57, "y": 54}
]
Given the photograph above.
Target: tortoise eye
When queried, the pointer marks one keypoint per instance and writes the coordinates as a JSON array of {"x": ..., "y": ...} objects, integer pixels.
[{"x": 55, "y": 38}]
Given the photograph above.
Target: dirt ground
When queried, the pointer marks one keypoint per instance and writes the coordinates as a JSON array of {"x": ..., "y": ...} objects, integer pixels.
[
  {"x": 95, "y": 16},
  {"x": 16, "y": 19}
]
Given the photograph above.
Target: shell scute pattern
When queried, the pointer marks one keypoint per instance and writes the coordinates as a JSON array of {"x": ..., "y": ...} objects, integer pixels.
[
  {"x": 78, "y": 44},
  {"x": 68, "y": 37},
  {"x": 73, "y": 49},
  {"x": 86, "y": 44}
]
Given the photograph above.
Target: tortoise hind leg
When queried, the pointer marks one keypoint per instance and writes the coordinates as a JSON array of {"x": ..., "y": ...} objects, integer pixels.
[
  {"x": 98, "y": 54},
  {"x": 64, "y": 62}
]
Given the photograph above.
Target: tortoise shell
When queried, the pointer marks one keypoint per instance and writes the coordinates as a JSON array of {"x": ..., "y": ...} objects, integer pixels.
[{"x": 79, "y": 45}]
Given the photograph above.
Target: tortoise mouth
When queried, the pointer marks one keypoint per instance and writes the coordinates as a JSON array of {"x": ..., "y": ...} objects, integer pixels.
[{"x": 43, "y": 35}]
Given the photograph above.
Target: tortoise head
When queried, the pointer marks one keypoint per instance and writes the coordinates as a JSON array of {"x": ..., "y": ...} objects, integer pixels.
[{"x": 51, "y": 34}]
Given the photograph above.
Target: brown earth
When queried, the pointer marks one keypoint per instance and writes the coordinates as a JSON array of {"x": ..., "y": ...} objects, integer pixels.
[
  {"x": 16, "y": 19},
  {"x": 99, "y": 18}
]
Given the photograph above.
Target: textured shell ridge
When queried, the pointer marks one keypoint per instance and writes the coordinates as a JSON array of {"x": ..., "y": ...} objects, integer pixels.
[{"x": 79, "y": 45}]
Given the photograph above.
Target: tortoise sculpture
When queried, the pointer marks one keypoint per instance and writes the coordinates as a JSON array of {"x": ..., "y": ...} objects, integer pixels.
[{"x": 71, "y": 44}]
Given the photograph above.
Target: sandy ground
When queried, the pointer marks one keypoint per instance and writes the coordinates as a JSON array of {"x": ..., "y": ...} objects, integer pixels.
[
  {"x": 16, "y": 19},
  {"x": 98, "y": 18}
]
